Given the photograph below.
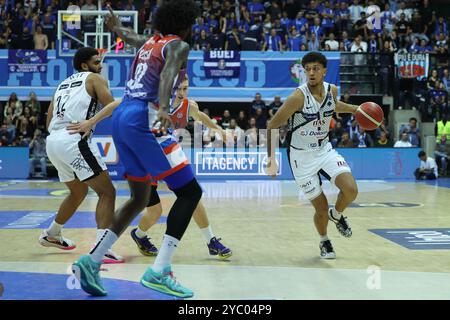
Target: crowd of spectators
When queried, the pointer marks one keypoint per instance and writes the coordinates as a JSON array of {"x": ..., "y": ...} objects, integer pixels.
[
  {"x": 23, "y": 125},
  {"x": 284, "y": 25}
]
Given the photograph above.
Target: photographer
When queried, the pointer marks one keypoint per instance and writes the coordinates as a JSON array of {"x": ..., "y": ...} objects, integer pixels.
[{"x": 38, "y": 154}]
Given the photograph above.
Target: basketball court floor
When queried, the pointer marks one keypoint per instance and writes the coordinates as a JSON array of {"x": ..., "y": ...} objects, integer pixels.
[{"x": 400, "y": 248}]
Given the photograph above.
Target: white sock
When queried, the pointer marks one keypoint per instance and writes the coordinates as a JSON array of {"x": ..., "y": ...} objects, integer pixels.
[
  {"x": 207, "y": 233},
  {"x": 54, "y": 229},
  {"x": 140, "y": 233},
  {"x": 106, "y": 241},
  {"x": 336, "y": 214},
  {"x": 99, "y": 234},
  {"x": 324, "y": 238},
  {"x": 165, "y": 254}
]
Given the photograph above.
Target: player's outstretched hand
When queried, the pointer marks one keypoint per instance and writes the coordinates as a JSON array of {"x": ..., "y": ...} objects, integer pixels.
[
  {"x": 84, "y": 127},
  {"x": 272, "y": 168},
  {"x": 112, "y": 20},
  {"x": 165, "y": 120}
]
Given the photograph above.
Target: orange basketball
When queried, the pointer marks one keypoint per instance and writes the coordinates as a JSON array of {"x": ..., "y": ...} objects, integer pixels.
[{"x": 369, "y": 115}]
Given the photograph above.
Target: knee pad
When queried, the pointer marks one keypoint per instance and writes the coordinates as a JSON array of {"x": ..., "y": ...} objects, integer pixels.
[{"x": 191, "y": 190}]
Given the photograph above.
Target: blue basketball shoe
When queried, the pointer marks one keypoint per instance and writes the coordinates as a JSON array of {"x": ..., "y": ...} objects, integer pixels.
[
  {"x": 216, "y": 248},
  {"x": 144, "y": 245},
  {"x": 87, "y": 272},
  {"x": 165, "y": 282}
]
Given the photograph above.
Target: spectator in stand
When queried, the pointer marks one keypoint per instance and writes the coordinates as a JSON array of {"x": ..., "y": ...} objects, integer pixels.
[
  {"x": 388, "y": 18},
  {"x": 26, "y": 40},
  {"x": 446, "y": 79},
  {"x": 225, "y": 120},
  {"x": 201, "y": 43},
  {"x": 216, "y": 41},
  {"x": 301, "y": 23},
  {"x": 402, "y": 10},
  {"x": 403, "y": 142},
  {"x": 235, "y": 134},
  {"x": 261, "y": 119},
  {"x": 317, "y": 29},
  {"x": 428, "y": 169},
  {"x": 49, "y": 26},
  {"x": 256, "y": 9},
  {"x": 362, "y": 139},
  {"x": 233, "y": 39},
  {"x": 402, "y": 27},
  {"x": 412, "y": 131},
  {"x": 4, "y": 135},
  {"x": 258, "y": 103},
  {"x": 442, "y": 153},
  {"x": 425, "y": 47},
  {"x": 373, "y": 45},
  {"x": 242, "y": 121},
  {"x": 383, "y": 141},
  {"x": 294, "y": 40},
  {"x": 38, "y": 154},
  {"x": 336, "y": 133},
  {"x": 346, "y": 41},
  {"x": 328, "y": 18},
  {"x": 251, "y": 134},
  {"x": 40, "y": 39},
  {"x": 283, "y": 141},
  {"x": 355, "y": 10},
  {"x": 15, "y": 104},
  {"x": 415, "y": 46},
  {"x": 199, "y": 26},
  {"x": 442, "y": 127},
  {"x": 275, "y": 105},
  {"x": 439, "y": 99},
  {"x": 342, "y": 17},
  {"x": 272, "y": 42},
  {"x": 313, "y": 43},
  {"x": 431, "y": 84},
  {"x": 345, "y": 141},
  {"x": 359, "y": 45},
  {"x": 334, "y": 45},
  {"x": 360, "y": 27},
  {"x": 441, "y": 26},
  {"x": 418, "y": 27},
  {"x": 441, "y": 46},
  {"x": 285, "y": 22}
]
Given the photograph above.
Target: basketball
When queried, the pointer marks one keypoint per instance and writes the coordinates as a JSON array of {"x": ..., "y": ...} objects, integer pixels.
[{"x": 369, "y": 115}]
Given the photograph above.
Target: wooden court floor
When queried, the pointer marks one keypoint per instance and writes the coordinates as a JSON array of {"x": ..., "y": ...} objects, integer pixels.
[{"x": 400, "y": 246}]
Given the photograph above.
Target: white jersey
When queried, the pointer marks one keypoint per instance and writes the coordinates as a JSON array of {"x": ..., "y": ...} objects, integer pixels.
[
  {"x": 72, "y": 102},
  {"x": 309, "y": 129}
]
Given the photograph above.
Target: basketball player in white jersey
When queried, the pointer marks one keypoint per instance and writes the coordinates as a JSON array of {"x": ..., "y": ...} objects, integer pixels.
[
  {"x": 79, "y": 163},
  {"x": 308, "y": 112}
]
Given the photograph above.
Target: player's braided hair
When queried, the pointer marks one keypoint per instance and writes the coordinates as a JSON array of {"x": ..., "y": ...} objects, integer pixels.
[{"x": 176, "y": 16}]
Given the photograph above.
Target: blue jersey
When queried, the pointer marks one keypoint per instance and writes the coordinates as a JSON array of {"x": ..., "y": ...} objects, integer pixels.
[{"x": 144, "y": 79}]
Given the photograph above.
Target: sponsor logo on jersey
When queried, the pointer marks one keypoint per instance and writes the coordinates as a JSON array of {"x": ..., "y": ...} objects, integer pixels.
[
  {"x": 76, "y": 84},
  {"x": 145, "y": 55},
  {"x": 328, "y": 113},
  {"x": 320, "y": 122},
  {"x": 179, "y": 115},
  {"x": 63, "y": 86},
  {"x": 342, "y": 164}
]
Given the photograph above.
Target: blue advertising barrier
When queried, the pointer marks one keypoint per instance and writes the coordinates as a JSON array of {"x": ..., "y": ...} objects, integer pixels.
[
  {"x": 249, "y": 164},
  {"x": 14, "y": 162},
  {"x": 241, "y": 164},
  {"x": 270, "y": 73}
]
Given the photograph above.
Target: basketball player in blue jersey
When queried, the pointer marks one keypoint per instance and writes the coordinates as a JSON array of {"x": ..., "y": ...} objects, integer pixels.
[
  {"x": 184, "y": 109},
  {"x": 158, "y": 68},
  {"x": 308, "y": 112}
]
